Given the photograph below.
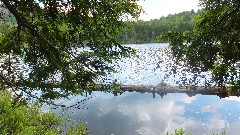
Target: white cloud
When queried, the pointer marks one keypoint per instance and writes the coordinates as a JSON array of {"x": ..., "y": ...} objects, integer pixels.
[
  {"x": 233, "y": 98},
  {"x": 216, "y": 122}
]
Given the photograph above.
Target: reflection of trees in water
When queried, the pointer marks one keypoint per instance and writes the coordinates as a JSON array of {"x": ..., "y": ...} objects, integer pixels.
[{"x": 81, "y": 103}]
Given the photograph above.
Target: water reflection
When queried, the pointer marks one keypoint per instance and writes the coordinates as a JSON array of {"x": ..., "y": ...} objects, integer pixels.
[{"x": 135, "y": 113}]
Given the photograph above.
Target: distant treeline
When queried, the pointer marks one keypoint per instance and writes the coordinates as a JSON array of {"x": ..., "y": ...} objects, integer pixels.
[
  {"x": 140, "y": 32},
  {"x": 147, "y": 31},
  {"x": 7, "y": 21}
]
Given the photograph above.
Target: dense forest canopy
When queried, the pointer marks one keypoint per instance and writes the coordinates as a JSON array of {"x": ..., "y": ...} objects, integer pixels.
[
  {"x": 45, "y": 40},
  {"x": 147, "y": 31}
]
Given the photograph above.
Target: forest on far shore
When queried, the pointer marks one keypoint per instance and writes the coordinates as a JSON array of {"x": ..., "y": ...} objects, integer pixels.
[
  {"x": 147, "y": 31},
  {"x": 139, "y": 31}
]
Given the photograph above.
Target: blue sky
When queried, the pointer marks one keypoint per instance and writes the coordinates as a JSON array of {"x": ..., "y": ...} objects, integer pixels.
[{"x": 158, "y": 8}]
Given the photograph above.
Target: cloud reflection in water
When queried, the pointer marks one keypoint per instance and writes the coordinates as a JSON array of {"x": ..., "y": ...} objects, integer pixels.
[{"x": 136, "y": 113}]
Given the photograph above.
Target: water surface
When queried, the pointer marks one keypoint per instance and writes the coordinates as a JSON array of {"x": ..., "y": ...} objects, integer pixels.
[{"x": 134, "y": 113}]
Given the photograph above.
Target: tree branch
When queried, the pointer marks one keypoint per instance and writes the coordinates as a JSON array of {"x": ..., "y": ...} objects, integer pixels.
[
  {"x": 11, "y": 84},
  {"x": 23, "y": 21},
  {"x": 226, "y": 16}
]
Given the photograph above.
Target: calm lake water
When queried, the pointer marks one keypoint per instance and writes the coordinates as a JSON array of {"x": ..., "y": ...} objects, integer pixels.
[{"x": 133, "y": 113}]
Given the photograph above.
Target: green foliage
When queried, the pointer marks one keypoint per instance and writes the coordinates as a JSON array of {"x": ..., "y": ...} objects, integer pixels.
[
  {"x": 213, "y": 44},
  {"x": 223, "y": 133},
  {"x": 61, "y": 44},
  {"x": 180, "y": 132},
  {"x": 17, "y": 118},
  {"x": 147, "y": 31}
]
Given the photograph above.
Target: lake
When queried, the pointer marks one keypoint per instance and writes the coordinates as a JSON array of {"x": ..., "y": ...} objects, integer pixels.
[{"x": 135, "y": 113}]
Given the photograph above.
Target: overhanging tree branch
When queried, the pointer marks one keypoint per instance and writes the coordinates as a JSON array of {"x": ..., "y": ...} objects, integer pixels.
[
  {"x": 49, "y": 44},
  {"x": 23, "y": 22},
  {"x": 12, "y": 85},
  {"x": 225, "y": 17}
]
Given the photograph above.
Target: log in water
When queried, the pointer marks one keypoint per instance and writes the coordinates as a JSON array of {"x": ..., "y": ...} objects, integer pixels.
[{"x": 164, "y": 90}]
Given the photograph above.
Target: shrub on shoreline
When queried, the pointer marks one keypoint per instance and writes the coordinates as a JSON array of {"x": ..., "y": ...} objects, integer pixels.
[{"x": 18, "y": 118}]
